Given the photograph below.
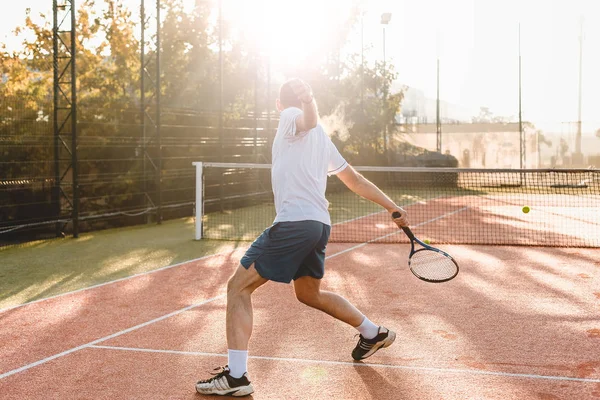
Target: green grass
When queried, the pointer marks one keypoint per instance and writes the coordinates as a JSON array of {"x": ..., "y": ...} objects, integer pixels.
[{"x": 46, "y": 268}]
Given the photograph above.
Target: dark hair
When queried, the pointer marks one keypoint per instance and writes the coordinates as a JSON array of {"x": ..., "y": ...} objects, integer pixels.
[{"x": 287, "y": 97}]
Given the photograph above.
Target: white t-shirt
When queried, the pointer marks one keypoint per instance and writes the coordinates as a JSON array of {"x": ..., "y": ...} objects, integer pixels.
[{"x": 301, "y": 163}]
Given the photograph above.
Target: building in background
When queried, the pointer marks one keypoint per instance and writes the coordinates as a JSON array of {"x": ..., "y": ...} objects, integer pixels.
[
  {"x": 478, "y": 139},
  {"x": 476, "y": 143},
  {"x": 418, "y": 108}
]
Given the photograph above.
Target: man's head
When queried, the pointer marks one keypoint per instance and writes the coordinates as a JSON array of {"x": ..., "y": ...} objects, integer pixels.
[{"x": 287, "y": 97}]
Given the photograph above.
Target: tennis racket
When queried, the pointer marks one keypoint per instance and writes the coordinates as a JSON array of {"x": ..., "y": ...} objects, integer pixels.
[{"x": 428, "y": 263}]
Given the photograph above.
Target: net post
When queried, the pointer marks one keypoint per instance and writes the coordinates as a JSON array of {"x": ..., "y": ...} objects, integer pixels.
[{"x": 199, "y": 199}]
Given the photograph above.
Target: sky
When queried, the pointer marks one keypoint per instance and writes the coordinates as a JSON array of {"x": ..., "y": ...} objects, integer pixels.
[{"x": 477, "y": 42}]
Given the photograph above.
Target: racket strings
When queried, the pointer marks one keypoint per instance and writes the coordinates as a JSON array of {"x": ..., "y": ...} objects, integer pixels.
[{"x": 433, "y": 266}]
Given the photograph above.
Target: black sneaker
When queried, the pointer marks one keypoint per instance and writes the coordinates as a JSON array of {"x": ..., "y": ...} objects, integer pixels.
[
  {"x": 223, "y": 384},
  {"x": 367, "y": 347}
]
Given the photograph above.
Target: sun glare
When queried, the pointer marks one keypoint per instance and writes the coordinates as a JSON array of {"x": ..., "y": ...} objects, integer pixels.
[{"x": 287, "y": 31}]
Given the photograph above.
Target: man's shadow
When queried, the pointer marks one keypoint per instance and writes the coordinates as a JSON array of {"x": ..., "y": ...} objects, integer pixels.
[
  {"x": 378, "y": 386},
  {"x": 198, "y": 396}
]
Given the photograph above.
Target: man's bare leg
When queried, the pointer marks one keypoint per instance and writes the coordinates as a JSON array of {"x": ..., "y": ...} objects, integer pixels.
[
  {"x": 308, "y": 291},
  {"x": 239, "y": 317},
  {"x": 234, "y": 381},
  {"x": 372, "y": 336},
  {"x": 239, "y": 306}
]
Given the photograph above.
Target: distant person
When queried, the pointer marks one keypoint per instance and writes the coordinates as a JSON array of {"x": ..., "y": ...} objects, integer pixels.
[{"x": 293, "y": 248}]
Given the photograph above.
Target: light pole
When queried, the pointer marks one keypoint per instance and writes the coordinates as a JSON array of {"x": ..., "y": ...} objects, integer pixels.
[
  {"x": 362, "y": 59},
  {"x": 385, "y": 19},
  {"x": 578, "y": 156},
  {"x": 522, "y": 163},
  {"x": 438, "y": 121}
]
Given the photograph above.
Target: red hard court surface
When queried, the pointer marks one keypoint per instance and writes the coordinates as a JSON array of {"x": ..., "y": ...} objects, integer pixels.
[
  {"x": 532, "y": 312},
  {"x": 485, "y": 219}
]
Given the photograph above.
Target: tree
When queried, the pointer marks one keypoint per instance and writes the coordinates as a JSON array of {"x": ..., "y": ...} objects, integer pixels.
[
  {"x": 563, "y": 148},
  {"x": 109, "y": 110},
  {"x": 26, "y": 90},
  {"x": 357, "y": 118},
  {"x": 486, "y": 116},
  {"x": 189, "y": 65},
  {"x": 543, "y": 139}
]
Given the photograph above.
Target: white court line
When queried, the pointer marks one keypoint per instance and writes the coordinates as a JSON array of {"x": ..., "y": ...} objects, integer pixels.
[
  {"x": 74, "y": 349},
  {"x": 114, "y": 335},
  {"x": 414, "y": 203},
  {"x": 423, "y": 223},
  {"x": 108, "y": 282},
  {"x": 360, "y": 364},
  {"x": 396, "y": 233}
]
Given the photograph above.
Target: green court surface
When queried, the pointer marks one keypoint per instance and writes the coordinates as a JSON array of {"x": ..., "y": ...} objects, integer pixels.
[{"x": 40, "y": 269}]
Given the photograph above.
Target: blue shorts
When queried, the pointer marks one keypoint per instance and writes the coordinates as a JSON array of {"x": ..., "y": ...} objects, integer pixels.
[{"x": 289, "y": 250}]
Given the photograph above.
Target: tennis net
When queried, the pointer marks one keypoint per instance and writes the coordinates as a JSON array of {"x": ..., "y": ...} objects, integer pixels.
[{"x": 445, "y": 205}]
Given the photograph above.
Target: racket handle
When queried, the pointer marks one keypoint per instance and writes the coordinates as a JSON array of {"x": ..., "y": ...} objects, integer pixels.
[
  {"x": 408, "y": 232},
  {"x": 406, "y": 229}
]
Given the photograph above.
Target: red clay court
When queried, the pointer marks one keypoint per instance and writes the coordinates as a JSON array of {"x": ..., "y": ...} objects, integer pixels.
[{"x": 517, "y": 323}]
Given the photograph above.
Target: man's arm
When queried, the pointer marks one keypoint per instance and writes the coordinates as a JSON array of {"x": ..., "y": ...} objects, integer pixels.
[
  {"x": 309, "y": 118},
  {"x": 365, "y": 188}
]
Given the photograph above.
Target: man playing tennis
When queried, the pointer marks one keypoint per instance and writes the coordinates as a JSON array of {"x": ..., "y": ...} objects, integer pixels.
[{"x": 293, "y": 248}]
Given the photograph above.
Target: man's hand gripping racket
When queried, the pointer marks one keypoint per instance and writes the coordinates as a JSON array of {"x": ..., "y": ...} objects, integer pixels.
[{"x": 428, "y": 263}]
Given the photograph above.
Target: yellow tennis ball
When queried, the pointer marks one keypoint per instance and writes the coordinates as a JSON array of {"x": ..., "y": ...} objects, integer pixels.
[
  {"x": 426, "y": 241},
  {"x": 526, "y": 209}
]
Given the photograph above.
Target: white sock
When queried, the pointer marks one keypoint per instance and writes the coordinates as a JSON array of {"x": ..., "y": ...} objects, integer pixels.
[
  {"x": 237, "y": 362},
  {"x": 368, "y": 329}
]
